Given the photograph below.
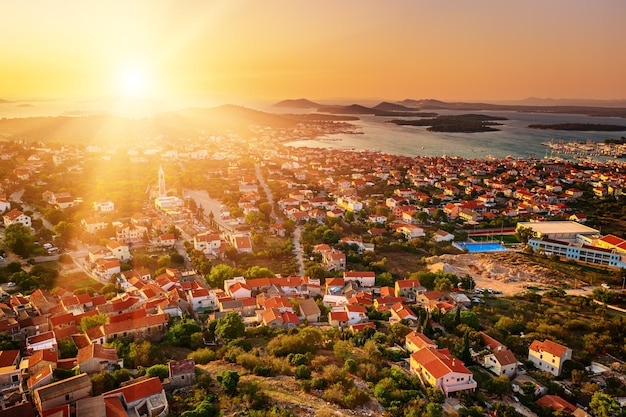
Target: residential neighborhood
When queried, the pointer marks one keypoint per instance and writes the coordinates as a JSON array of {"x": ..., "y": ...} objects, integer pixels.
[{"x": 107, "y": 298}]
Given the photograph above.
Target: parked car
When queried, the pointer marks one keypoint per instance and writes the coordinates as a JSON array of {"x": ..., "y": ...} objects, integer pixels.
[{"x": 11, "y": 284}]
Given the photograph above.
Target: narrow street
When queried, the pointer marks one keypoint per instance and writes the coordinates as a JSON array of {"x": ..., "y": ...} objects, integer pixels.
[
  {"x": 297, "y": 233},
  {"x": 268, "y": 192},
  {"x": 297, "y": 248}
]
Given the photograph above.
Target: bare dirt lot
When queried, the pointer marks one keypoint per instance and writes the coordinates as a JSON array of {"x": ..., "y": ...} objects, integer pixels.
[{"x": 505, "y": 272}]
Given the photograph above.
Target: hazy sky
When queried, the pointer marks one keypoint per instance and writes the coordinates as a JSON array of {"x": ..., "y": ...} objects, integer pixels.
[{"x": 276, "y": 49}]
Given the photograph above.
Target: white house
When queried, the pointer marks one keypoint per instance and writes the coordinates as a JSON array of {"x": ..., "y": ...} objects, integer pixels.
[
  {"x": 549, "y": 356},
  {"x": 442, "y": 370},
  {"x": 356, "y": 314},
  {"x": 16, "y": 216},
  {"x": 104, "y": 206},
  {"x": 502, "y": 362},
  {"x": 119, "y": 250},
  {"x": 364, "y": 278}
]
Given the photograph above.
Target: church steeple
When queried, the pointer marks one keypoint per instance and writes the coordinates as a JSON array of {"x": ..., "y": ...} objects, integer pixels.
[{"x": 162, "y": 189}]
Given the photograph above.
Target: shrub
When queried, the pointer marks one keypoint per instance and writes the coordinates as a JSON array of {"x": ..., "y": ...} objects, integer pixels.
[
  {"x": 305, "y": 385},
  {"x": 162, "y": 371},
  {"x": 203, "y": 356},
  {"x": 297, "y": 359},
  {"x": 247, "y": 360},
  {"x": 303, "y": 372},
  {"x": 263, "y": 370},
  {"x": 319, "y": 383}
]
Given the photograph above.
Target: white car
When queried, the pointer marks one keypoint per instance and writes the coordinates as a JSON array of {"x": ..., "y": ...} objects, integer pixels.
[{"x": 11, "y": 284}]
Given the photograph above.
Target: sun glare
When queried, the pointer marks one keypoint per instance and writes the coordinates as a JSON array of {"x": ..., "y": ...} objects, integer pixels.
[{"x": 134, "y": 82}]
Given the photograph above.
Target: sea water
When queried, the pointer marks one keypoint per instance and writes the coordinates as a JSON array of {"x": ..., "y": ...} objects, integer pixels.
[{"x": 513, "y": 138}]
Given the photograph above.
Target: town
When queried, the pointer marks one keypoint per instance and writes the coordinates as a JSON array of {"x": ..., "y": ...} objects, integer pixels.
[{"x": 221, "y": 273}]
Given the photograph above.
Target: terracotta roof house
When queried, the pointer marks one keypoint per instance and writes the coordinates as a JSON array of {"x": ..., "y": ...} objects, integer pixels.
[
  {"x": 309, "y": 310},
  {"x": 442, "y": 370},
  {"x": 136, "y": 324},
  {"x": 96, "y": 358},
  {"x": 556, "y": 403},
  {"x": 502, "y": 362},
  {"x": 549, "y": 356},
  {"x": 364, "y": 278},
  {"x": 10, "y": 378},
  {"x": 16, "y": 216},
  {"x": 408, "y": 288},
  {"x": 182, "y": 372},
  {"x": 415, "y": 341},
  {"x": 66, "y": 391},
  {"x": 144, "y": 397},
  {"x": 338, "y": 319}
]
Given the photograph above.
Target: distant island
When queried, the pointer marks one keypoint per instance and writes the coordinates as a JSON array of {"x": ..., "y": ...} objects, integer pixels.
[
  {"x": 580, "y": 127},
  {"x": 376, "y": 111},
  {"x": 411, "y": 107},
  {"x": 463, "y": 123},
  {"x": 300, "y": 103},
  {"x": 564, "y": 109}
]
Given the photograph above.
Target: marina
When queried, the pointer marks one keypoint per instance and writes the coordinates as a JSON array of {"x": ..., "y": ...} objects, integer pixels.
[{"x": 587, "y": 149}]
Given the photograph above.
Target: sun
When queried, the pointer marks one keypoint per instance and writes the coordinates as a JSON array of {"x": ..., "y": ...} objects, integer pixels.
[{"x": 134, "y": 81}]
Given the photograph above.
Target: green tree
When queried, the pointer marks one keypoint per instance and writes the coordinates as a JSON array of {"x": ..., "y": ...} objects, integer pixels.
[
  {"x": 434, "y": 410},
  {"x": 385, "y": 279},
  {"x": 330, "y": 237},
  {"x": 499, "y": 386},
  {"x": 140, "y": 353},
  {"x": 256, "y": 271},
  {"x": 179, "y": 334},
  {"x": 19, "y": 239},
  {"x": 230, "y": 327},
  {"x": 160, "y": 370},
  {"x": 65, "y": 231},
  {"x": 88, "y": 322},
  {"x": 302, "y": 372},
  {"x": 443, "y": 284},
  {"x": 221, "y": 273},
  {"x": 603, "y": 405},
  {"x": 7, "y": 342},
  {"x": 316, "y": 271},
  {"x": 102, "y": 382},
  {"x": 205, "y": 408},
  {"x": 67, "y": 348},
  {"x": 229, "y": 381}
]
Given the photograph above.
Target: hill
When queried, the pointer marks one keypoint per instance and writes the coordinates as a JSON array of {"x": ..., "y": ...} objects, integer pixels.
[
  {"x": 300, "y": 103},
  {"x": 460, "y": 106},
  {"x": 113, "y": 130},
  {"x": 359, "y": 109},
  {"x": 387, "y": 106}
]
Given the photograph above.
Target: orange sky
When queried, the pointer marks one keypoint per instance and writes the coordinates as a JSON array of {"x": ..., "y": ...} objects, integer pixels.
[{"x": 276, "y": 49}]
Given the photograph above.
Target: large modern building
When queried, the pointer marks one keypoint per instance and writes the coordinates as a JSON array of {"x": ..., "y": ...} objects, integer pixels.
[
  {"x": 580, "y": 252},
  {"x": 559, "y": 230}
]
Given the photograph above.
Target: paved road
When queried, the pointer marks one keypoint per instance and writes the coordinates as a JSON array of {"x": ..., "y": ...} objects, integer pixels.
[
  {"x": 297, "y": 248},
  {"x": 268, "y": 192}
]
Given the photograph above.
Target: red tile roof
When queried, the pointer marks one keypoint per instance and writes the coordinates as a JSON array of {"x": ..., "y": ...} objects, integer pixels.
[
  {"x": 8, "y": 357},
  {"x": 114, "y": 408},
  {"x": 556, "y": 403},
  {"x": 548, "y": 346},
  {"x": 420, "y": 340},
  {"x": 439, "y": 362},
  {"x": 138, "y": 390}
]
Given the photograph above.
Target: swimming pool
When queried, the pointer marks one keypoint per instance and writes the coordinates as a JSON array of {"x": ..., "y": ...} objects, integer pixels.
[{"x": 479, "y": 247}]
